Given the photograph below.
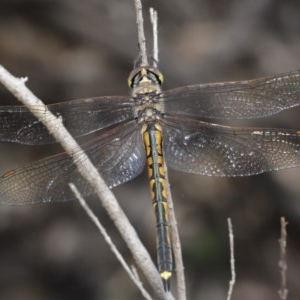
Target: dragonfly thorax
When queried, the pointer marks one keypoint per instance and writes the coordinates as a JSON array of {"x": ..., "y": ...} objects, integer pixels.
[
  {"x": 148, "y": 108},
  {"x": 148, "y": 114},
  {"x": 145, "y": 84}
]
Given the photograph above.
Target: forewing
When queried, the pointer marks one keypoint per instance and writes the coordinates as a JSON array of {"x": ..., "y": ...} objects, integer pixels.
[
  {"x": 118, "y": 154},
  {"x": 81, "y": 117},
  {"x": 235, "y": 100},
  {"x": 214, "y": 150}
]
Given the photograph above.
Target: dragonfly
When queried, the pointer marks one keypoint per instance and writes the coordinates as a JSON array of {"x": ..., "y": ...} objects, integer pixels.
[
  {"x": 153, "y": 127},
  {"x": 179, "y": 128}
]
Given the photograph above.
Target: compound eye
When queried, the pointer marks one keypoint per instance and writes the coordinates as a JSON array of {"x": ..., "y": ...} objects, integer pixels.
[
  {"x": 132, "y": 75},
  {"x": 130, "y": 81},
  {"x": 160, "y": 78},
  {"x": 158, "y": 75}
]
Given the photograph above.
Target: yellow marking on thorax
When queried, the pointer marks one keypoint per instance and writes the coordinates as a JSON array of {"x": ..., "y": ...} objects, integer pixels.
[{"x": 144, "y": 71}]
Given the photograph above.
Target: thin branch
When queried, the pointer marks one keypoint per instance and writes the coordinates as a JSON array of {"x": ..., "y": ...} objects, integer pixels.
[
  {"x": 141, "y": 32},
  {"x": 154, "y": 19},
  {"x": 113, "y": 248},
  {"x": 176, "y": 245},
  {"x": 232, "y": 260},
  {"x": 283, "y": 292},
  {"x": 90, "y": 173}
]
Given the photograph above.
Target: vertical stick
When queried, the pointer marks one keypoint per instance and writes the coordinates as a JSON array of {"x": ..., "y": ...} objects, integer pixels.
[
  {"x": 133, "y": 276},
  {"x": 141, "y": 32},
  {"x": 232, "y": 260},
  {"x": 176, "y": 245},
  {"x": 283, "y": 292},
  {"x": 153, "y": 18}
]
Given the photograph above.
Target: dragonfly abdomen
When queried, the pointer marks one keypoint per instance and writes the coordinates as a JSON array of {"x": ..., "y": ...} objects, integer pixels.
[{"x": 152, "y": 136}]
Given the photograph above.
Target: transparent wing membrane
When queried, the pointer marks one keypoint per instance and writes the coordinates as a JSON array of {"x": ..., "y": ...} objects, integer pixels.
[
  {"x": 81, "y": 117},
  {"x": 235, "y": 100},
  {"x": 210, "y": 149},
  {"x": 118, "y": 154}
]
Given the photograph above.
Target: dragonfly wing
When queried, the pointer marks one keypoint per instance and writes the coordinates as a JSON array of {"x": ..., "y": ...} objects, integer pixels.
[
  {"x": 81, "y": 117},
  {"x": 209, "y": 149},
  {"x": 235, "y": 100},
  {"x": 118, "y": 154}
]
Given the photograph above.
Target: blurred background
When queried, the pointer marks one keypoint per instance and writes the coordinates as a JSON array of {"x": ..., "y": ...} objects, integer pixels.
[{"x": 75, "y": 49}]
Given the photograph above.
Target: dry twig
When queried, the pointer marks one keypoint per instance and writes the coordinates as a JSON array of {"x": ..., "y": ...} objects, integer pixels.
[
  {"x": 141, "y": 33},
  {"x": 232, "y": 260},
  {"x": 153, "y": 18},
  {"x": 176, "y": 245},
  {"x": 113, "y": 248},
  {"x": 283, "y": 292}
]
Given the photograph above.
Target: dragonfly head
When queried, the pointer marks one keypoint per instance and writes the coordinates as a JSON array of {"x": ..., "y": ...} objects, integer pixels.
[{"x": 145, "y": 77}]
